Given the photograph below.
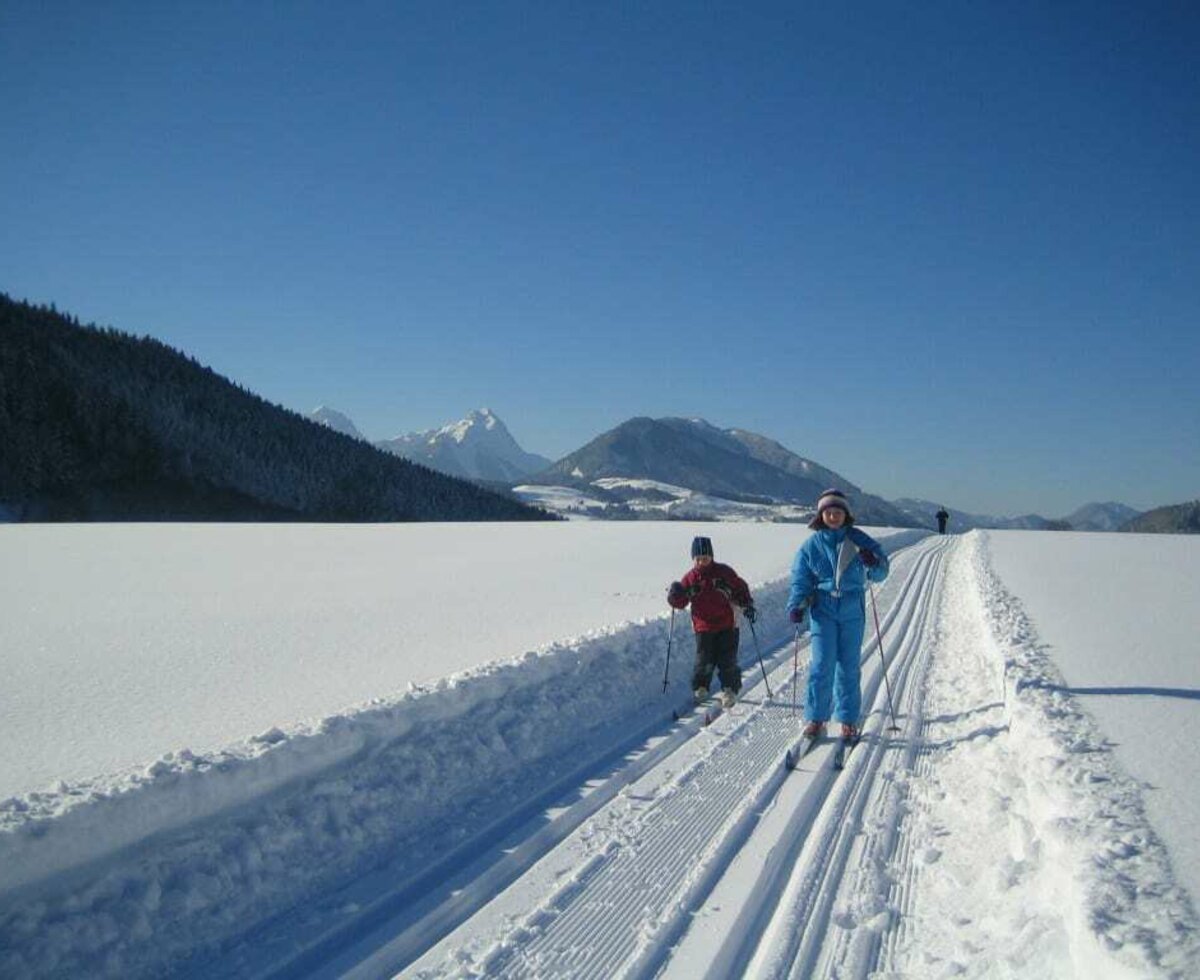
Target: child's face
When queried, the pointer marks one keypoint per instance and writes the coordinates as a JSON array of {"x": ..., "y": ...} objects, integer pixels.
[
  {"x": 703, "y": 560},
  {"x": 833, "y": 517}
]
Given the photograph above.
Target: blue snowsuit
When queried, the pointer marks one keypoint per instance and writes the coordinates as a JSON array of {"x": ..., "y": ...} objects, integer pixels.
[{"x": 831, "y": 578}]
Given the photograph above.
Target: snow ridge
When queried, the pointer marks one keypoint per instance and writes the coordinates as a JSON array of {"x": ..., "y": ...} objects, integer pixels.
[{"x": 1093, "y": 809}]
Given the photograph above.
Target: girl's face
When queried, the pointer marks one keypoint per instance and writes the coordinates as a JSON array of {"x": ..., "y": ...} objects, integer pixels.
[{"x": 834, "y": 517}]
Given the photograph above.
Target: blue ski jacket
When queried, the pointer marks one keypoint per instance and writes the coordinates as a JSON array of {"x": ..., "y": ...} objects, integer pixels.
[{"x": 828, "y": 562}]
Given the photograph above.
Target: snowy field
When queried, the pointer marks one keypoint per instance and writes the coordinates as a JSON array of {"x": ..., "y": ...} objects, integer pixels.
[
  {"x": 446, "y": 751},
  {"x": 148, "y": 639}
]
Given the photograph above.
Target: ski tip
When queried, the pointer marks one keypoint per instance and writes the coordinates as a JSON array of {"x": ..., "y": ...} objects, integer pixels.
[{"x": 789, "y": 763}]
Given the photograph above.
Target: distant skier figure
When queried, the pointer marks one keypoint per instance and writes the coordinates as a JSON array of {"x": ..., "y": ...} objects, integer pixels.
[
  {"x": 713, "y": 590},
  {"x": 942, "y": 518},
  {"x": 829, "y": 575}
]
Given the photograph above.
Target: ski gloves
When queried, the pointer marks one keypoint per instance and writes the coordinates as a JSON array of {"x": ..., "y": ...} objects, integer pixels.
[
  {"x": 679, "y": 597},
  {"x": 750, "y": 613},
  {"x": 869, "y": 558},
  {"x": 677, "y": 591}
]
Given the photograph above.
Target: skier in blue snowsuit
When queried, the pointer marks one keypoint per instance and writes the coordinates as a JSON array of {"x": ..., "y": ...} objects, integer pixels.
[{"x": 829, "y": 577}]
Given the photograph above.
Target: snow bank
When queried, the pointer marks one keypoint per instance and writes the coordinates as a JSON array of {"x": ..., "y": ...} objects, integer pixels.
[{"x": 1089, "y": 809}]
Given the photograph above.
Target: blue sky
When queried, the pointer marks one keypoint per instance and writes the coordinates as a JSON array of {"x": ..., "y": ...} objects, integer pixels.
[{"x": 949, "y": 250}]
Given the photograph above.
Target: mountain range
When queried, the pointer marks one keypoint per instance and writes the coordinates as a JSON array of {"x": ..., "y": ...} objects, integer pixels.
[
  {"x": 685, "y": 468},
  {"x": 96, "y": 424}
]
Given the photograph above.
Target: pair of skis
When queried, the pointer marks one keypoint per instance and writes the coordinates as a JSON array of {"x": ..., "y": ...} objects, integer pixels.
[
  {"x": 841, "y": 754},
  {"x": 710, "y": 708}
]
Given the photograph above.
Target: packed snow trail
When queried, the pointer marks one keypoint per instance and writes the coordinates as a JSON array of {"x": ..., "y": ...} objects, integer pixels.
[
  {"x": 787, "y": 922},
  {"x": 621, "y": 891}
]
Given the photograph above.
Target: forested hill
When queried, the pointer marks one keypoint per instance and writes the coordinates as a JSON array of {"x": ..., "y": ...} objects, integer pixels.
[
  {"x": 96, "y": 424},
  {"x": 1175, "y": 519}
]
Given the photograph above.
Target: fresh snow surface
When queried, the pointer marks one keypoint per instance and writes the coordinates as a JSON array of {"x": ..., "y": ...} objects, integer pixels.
[
  {"x": 1119, "y": 621},
  {"x": 155, "y": 638},
  {"x": 527, "y": 807}
]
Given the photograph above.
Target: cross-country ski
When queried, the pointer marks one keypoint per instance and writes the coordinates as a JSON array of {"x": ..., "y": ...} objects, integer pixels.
[{"x": 841, "y": 752}]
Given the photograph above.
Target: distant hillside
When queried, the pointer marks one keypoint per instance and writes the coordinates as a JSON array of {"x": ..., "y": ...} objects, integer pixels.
[
  {"x": 1175, "y": 519},
  {"x": 1101, "y": 517},
  {"x": 693, "y": 454},
  {"x": 96, "y": 424},
  {"x": 479, "y": 447}
]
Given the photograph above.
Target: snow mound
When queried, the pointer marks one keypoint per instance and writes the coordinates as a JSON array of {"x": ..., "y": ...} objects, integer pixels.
[{"x": 1091, "y": 809}]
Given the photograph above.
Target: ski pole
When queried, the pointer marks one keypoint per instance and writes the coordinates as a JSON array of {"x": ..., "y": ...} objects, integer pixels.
[
  {"x": 795, "y": 670},
  {"x": 670, "y": 637},
  {"x": 758, "y": 650},
  {"x": 879, "y": 643}
]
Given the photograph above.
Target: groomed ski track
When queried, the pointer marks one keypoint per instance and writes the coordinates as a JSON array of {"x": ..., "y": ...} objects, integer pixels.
[{"x": 701, "y": 855}]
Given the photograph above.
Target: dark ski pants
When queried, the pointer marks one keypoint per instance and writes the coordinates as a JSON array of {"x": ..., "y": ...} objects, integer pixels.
[{"x": 717, "y": 651}]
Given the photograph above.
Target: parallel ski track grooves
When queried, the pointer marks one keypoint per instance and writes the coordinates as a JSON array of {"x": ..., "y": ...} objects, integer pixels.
[
  {"x": 900, "y": 896},
  {"x": 856, "y": 952},
  {"x": 789, "y": 911},
  {"x": 640, "y": 893}
]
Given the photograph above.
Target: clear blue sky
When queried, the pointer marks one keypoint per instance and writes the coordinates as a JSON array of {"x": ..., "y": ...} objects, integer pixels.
[{"x": 949, "y": 250}]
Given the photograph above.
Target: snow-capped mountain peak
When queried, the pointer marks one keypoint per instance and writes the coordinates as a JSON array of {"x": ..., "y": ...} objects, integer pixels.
[
  {"x": 478, "y": 447},
  {"x": 477, "y": 422},
  {"x": 333, "y": 419}
]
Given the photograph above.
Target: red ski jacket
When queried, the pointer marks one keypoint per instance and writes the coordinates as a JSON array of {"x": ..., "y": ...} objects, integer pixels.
[{"x": 711, "y": 610}]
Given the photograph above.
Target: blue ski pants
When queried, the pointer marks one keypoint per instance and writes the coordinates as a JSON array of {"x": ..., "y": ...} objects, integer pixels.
[{"x": 834, "y": 673}]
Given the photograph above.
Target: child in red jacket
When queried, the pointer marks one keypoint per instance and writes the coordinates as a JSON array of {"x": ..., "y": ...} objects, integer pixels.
[{"x": 713, "y": 590}]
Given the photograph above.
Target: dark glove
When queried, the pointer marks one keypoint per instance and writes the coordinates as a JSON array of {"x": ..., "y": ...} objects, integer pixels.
[
  {"x": 676, "y": 595},
  {"x": 869, "y": 558},
  {"x": 797, "y": 615},
  {"x": 750, "y": 613}
]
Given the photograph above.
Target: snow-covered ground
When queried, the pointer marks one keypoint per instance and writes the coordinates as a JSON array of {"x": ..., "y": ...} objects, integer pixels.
[
  {"x": 147, "y": 639},
  {"x": 446, "y": 750},
  {"x": 653, "y": 500}
]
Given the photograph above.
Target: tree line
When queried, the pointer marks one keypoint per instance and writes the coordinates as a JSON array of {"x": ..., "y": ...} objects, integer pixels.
[{"x": 97, "y": 424}]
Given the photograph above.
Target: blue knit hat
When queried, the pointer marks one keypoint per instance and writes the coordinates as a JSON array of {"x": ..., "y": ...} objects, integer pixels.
[{"x": 701, "y": 546}]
